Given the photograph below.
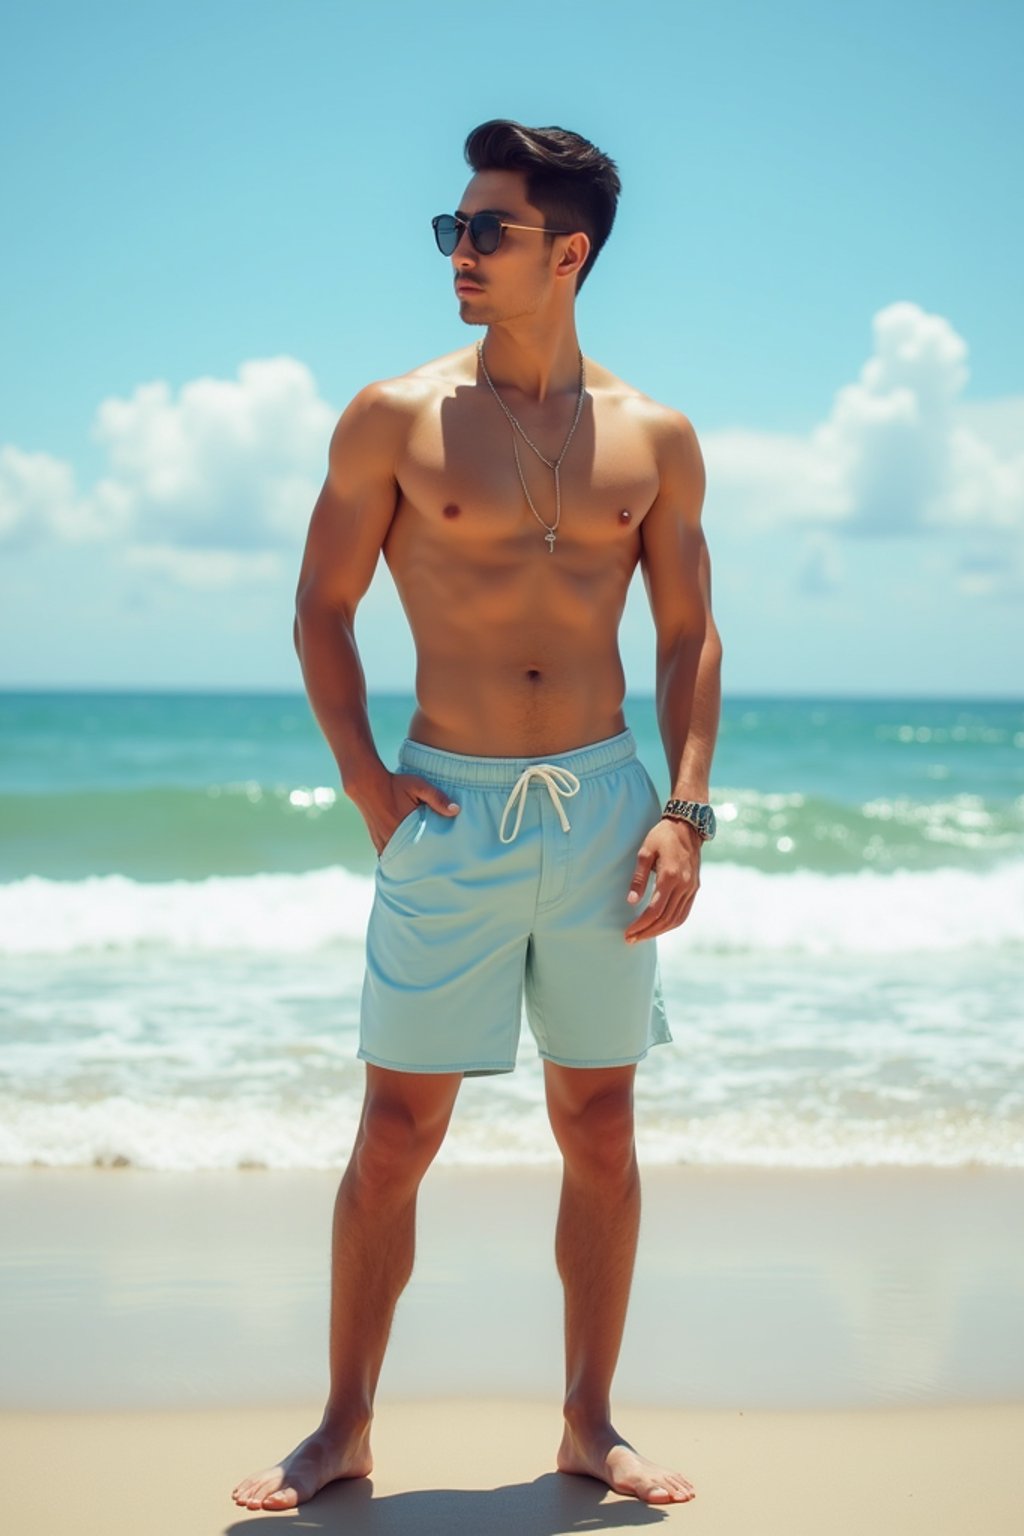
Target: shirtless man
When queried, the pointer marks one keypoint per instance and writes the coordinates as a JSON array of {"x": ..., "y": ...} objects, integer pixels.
[{"x": 523, "y": 845}]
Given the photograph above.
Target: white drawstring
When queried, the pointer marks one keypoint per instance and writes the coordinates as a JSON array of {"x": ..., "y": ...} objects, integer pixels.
[{"x": 559, "y": 781}]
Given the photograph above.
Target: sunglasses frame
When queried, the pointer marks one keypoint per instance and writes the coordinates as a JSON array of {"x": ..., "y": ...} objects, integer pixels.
[{"x": 462, "y": 225}]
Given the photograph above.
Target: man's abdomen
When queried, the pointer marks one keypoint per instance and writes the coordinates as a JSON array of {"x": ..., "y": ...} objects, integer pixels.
[{"x": 531, "y": 704}]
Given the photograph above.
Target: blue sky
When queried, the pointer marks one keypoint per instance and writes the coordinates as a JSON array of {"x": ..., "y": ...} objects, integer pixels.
[{"x": 217, "y": 230}]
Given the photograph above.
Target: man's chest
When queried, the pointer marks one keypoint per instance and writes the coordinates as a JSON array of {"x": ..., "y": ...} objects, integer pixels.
[{"x": 465, "y": 467}]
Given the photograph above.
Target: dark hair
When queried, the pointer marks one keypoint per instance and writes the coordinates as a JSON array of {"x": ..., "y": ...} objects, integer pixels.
[{"x": 573, "y": 184}]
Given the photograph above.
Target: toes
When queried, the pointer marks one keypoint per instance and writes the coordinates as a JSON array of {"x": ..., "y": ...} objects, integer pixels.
[
  {"x": 249, "y": 1491},
  {"x": 282, "y": 1498},
  {"x": 269, "y": 1492},
  {"x": 254, "y": 1498},
  {"x": 666, "y": 1488}
]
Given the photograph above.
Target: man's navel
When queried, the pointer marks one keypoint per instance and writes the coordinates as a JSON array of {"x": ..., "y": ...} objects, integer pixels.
[
  {"x": 533, "y": 674},
  {"x": 452, "y": 509}
]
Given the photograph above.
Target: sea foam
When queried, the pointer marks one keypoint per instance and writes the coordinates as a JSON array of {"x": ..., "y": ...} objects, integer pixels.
[
  {"x": 738, "y": 909},
  {"x": 194, "y": 1133}
]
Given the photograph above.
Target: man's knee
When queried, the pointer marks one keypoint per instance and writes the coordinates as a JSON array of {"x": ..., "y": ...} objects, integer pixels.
[
  {"x": 595, "y": 1132},
  {"x": 397, "y": 1141}
]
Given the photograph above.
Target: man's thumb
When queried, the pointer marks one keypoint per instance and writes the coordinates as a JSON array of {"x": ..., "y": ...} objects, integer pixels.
[
  {"x": 439, "y": 801},
  {"x": 644, "y": 860}
]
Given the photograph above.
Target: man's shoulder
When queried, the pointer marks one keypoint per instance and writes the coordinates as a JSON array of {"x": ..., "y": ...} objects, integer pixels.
[
  {"x": 661, "y": 421},
  {"x": 668, "y": 432},
  {"x": 406, "y": 393}
]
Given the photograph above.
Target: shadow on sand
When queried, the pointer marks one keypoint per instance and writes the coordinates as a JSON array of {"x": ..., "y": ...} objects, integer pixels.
[{"x": 552, "y": 1505}]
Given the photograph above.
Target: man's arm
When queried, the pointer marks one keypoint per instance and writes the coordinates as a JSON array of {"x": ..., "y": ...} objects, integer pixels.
[
  {"x": 677, "y": 574},
  {"x": 347, "y": 530}
]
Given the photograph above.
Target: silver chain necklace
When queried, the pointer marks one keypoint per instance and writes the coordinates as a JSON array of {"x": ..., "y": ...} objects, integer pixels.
[{"x": 555, "y": 464}]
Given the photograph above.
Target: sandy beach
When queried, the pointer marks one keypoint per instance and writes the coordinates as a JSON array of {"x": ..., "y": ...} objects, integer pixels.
[
  {"x": 812, "y": 1349},
  {"x": 485, "y": 1469}
]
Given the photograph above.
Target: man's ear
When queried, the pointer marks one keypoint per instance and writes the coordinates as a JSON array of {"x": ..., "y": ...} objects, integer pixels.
[{"x": 574, "y": 256}]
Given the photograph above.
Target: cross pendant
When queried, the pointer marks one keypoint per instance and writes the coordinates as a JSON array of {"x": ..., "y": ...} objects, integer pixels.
[{"x": 550, "y": 536}]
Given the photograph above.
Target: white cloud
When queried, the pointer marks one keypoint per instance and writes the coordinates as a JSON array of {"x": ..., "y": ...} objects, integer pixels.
[
  {"x": 990, "y": 569},
  {"x": 899, "y": 453},
  {"x": 228, "y": 464},
  {"x": 820, "y": 569},
  {"x": 206, "y": 569},
  {"x": 208, "y": 486},
  {"x": 984, "y": 489},
  {"x": 999, "y": 422},
  {"x": 34, "y": 489},
  {"x": 768, "y": 479}
]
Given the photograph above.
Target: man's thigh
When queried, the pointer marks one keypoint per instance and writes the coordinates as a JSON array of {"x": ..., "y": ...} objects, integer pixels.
[
  {"x": 446, "y": 942},
  {"x": 593, "y": 1000}
]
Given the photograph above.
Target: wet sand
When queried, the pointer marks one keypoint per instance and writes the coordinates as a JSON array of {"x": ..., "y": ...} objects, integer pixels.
[{"x": 815, "y": 1350}]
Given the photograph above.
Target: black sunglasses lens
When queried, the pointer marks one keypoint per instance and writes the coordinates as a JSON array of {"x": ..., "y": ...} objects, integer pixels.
[
  {"x": 446, "y": 233},
  {"x": 485, "y": 232}
]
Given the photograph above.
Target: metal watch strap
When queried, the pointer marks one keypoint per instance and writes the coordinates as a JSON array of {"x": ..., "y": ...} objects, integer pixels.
[{"x": 697, "y": 812}]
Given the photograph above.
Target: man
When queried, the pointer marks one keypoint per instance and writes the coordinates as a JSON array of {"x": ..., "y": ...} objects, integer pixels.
[{"x": 512, "y": 487}]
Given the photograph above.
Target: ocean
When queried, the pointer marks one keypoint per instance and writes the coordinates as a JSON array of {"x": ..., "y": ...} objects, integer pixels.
[{"x": 184, "y": 891}]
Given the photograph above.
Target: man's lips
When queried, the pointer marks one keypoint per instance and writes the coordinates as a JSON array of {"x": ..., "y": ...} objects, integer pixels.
[{"x": 464, "y": 286}]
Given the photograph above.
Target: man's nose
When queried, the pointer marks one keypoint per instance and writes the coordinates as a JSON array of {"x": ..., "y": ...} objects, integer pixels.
[{"x": 465, "y": 253}]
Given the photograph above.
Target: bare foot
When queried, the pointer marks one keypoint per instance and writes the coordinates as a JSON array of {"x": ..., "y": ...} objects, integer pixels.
[
  {"x": 325, "y": 1455},
  {"x": 601, "y": 1453}
]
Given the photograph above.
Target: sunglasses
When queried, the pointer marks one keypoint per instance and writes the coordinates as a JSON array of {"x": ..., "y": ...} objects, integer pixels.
[{"x": 485, "y": 231}]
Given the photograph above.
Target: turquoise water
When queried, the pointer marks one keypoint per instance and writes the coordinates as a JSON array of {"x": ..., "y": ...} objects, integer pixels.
[
  {"x": 186, "y": 785},
  {"x": 184, "y": 892}
]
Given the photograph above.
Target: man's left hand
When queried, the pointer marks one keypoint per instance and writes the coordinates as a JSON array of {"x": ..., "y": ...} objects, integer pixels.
[{"x": 672, "y": 850}]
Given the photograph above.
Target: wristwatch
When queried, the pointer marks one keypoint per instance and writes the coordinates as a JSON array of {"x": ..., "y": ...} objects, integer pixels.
[{"x": 697, "y": 813}]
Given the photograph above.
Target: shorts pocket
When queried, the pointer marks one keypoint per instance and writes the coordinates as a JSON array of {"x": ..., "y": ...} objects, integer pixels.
[
  {"x": 405, "y": 830},
  {"x": 655, "y": 798}
]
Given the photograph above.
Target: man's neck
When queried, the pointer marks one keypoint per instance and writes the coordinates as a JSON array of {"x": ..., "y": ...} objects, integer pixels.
[{"x": 539, "y": 364}]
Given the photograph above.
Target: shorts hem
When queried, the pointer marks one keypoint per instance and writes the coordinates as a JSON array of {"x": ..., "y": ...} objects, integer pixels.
[
  {"x": 473, "y": 1067},
  {"x": 616, "y": 1061}
]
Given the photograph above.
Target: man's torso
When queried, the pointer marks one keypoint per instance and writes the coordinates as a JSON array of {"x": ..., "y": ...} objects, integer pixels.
[{"x": 517, "y": 643}]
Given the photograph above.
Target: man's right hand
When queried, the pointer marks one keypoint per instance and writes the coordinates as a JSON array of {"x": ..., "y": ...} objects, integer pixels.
[{"x": 398, "y": 796}]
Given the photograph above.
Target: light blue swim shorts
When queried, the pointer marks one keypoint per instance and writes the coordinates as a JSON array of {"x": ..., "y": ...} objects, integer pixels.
[{"x": 523, "y": 893}]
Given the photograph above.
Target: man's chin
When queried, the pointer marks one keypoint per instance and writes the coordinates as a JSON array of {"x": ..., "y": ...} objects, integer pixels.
[{"x": 472, "y": 316}]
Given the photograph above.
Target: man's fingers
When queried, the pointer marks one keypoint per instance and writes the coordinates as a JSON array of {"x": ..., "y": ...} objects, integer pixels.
[
  {"x": 637, "y": 885},
  {"x": 662, "y": 920},
  {"x": 654, "y": 926},
  {"x": 436, "y": 799}
]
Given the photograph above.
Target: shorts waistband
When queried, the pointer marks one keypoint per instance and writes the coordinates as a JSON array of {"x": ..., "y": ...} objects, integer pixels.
[{"x": 502, "y": 772}]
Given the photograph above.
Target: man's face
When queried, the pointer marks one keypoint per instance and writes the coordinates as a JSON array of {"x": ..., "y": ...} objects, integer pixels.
[{"x": 518, "y": 277}]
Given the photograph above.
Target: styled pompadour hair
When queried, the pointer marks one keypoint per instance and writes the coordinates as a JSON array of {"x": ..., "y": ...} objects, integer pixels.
[{"x": 569, "y": 179}]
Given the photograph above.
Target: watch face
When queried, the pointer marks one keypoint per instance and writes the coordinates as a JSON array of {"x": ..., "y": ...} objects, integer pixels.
[
  {"x": 704, "y": 820},
  {"x": 697, "y": 813}
]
